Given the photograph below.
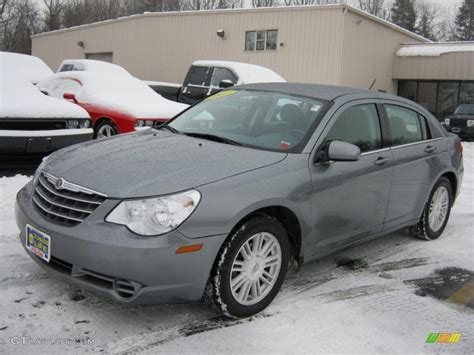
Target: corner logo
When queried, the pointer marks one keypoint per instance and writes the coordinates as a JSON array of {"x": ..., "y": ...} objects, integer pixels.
[
  {"x": 59, "y": 184},
  {"x": 442, "y": 338}
]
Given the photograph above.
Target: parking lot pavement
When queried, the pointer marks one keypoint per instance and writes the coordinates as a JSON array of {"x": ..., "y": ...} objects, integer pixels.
[{"x": 395, "y": 294}]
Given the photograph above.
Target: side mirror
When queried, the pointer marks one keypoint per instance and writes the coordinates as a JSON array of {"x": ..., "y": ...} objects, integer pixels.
[
  {"x": 70, "y": 97},
  {"x": 343, "y": 151},
  {"x": 224, "y": 84}
]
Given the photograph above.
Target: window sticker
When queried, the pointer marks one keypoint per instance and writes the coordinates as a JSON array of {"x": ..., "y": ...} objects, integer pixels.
[
  {"x": 284, "y": 145},
  {"x": 221, "y": 94}
]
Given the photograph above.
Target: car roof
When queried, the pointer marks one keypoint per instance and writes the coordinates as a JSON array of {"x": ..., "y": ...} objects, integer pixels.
[{"x": 325, "y": 92}]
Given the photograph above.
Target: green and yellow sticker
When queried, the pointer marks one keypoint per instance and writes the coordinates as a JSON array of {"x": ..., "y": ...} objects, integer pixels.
[{"x": 221, "y": 95}]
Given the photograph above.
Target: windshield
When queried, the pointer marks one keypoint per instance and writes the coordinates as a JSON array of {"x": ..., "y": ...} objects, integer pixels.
[
  {"x": 257, "y": 119},
  {"x": 465, "y": 110}
]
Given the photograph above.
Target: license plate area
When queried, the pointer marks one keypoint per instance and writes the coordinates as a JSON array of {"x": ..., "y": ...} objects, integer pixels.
[{"x": 38, "y": 243}]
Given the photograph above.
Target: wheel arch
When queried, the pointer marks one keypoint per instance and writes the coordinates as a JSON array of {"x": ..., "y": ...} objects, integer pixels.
[{"x": 287, "y": 217}]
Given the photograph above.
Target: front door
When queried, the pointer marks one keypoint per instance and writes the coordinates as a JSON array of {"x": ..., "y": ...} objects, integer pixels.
[
  {"x": 350, "y": 199},
  {"x": 196, "y": 85}
]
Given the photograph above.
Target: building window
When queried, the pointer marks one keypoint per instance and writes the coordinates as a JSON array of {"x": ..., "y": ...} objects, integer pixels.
[
  {"x": 261, "y": 40},
  {"x": 439, "y": 97}
]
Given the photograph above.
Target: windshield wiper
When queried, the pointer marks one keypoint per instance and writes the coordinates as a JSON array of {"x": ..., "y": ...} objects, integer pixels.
[
  {"x": 169, "y": 128},
  {"x": 212, "y": 137}
]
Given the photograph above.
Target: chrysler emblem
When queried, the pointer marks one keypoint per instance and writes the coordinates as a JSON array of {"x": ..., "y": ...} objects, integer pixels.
[{"x": 59, "y": 184}]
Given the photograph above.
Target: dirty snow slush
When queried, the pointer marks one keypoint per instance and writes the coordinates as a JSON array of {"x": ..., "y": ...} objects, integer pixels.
[{"x": 384, "y": 296}]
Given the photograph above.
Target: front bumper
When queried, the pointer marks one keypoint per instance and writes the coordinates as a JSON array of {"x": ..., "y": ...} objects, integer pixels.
[
  {"x": 462, "y": 132},
  {"x": 48, "y": 141},
  {"x": 110, "y": 260}
]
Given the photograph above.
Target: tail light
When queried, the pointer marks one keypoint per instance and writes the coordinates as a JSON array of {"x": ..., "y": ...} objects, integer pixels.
[{"x": 460, "y": 147}]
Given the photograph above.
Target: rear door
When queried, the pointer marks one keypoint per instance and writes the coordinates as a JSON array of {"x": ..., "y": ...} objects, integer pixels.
[
  {"x": 416, "y": 152},
  {"x": 196, "y": 85},
  {"x": 350, "y": 199}
]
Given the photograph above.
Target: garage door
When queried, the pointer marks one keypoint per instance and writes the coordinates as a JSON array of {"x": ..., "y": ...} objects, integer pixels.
[{"x": 105, "y": 57}]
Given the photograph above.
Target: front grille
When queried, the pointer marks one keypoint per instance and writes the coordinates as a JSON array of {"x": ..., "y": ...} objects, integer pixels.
[
  {"x": 32, "y": 125},
  {"x": 68, "y": 204},
  {"x": 457, "y": 122}
]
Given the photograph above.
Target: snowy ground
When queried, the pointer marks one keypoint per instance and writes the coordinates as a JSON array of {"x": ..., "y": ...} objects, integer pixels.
[{"x": 366, "y": 299}]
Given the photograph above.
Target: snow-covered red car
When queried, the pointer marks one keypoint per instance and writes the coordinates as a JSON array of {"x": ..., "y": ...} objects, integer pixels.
[
  {"x": 31, "y": 123},
  {"x": 117, "y": 102}
]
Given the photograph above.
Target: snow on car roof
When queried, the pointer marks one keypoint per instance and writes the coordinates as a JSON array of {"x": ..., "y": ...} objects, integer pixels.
[
  {"x": 434, "y": 49},
  {"x": 247, "y": 73},
  {"x": 19, "y": 98},
  {"x": 94, "y": 65},
  {"x": 112, "y": 91},
  {"x": 32, "y": 68}
]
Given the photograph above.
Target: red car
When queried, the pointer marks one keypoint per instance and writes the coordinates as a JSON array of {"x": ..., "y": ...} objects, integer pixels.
[{"x": 117, "y": 102}]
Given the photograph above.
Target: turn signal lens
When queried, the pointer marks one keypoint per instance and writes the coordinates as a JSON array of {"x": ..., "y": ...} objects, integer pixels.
[{"x": 189, "y": 249}]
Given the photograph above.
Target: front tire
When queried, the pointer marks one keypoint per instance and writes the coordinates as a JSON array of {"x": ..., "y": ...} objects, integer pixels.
[
  {"x": 250, "y": 268},
  {"x": 105, "y": 129},
  {"x": 436, "y": 213}
]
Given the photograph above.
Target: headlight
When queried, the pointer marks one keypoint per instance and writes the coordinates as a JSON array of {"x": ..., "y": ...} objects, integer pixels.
[
  {"x": 155, "y": 216},
  {"x": 447, "y": 121},
  {"x": 71, "y": 124},
  {"x": 470, "y": 123},
  {"x": 139, "y": 123},
  {"x": 84, "y": 124}
]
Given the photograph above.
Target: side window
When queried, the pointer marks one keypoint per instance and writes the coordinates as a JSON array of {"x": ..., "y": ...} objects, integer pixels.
[
  {"x": 358, "y": 125},
  {"x": 405, "y": 125},
  {"x": 198, "y": 76},
  {"x": 220, "y": 74}
]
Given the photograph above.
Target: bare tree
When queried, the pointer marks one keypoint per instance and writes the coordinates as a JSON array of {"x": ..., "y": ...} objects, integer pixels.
[
  {"x": 375, "y": 7},
  {"x": 52, "y": 14},
  {"x": 427, "y": 25},
  {"x": 263, "y": 3},
  {"x": 311, "y": 2},
  {"x": 19, "y": 20}
]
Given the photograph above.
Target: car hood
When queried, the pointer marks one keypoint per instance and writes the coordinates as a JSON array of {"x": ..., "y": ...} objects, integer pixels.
[{"x": 152, "y": 163}]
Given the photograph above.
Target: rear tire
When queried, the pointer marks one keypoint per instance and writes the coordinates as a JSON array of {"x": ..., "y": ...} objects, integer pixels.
[
  {"x": 105, "y": 129},
  {"x": 436, "y": 213},
  {"x": 250, "y": 268}
]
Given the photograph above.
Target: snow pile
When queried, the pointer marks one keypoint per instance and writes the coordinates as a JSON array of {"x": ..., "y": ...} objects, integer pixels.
[
  {"x": 93, "y": 65},
  {"x": 112, "y": 91},
  {"x": 32, "y": 68},
  {"x": 434, "y": 49},
  {"x": 19, "y": 98},
  {"x": 247, "y": 73},
  {"x": 9, "y": 187}
]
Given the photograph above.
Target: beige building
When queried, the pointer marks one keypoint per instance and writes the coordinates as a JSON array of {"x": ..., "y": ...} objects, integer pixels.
[{"x": 328, "y": 44}]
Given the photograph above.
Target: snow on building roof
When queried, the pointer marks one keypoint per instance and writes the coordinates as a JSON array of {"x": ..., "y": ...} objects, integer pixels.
[
  {"x": 434, "y": 49},
  {"x": 247, "y": 73},
  {"x": 32, "y": 68}
]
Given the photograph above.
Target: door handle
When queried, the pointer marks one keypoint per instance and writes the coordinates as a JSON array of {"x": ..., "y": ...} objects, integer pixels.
[
  {"x": 430, "y": 149},
  {"x": 381, "y": 161}
]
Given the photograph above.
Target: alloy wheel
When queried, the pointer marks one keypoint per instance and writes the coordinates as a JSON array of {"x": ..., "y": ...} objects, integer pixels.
[
  {"x": 438, "y": 208},
  {"x": 255, "y": 268}
]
